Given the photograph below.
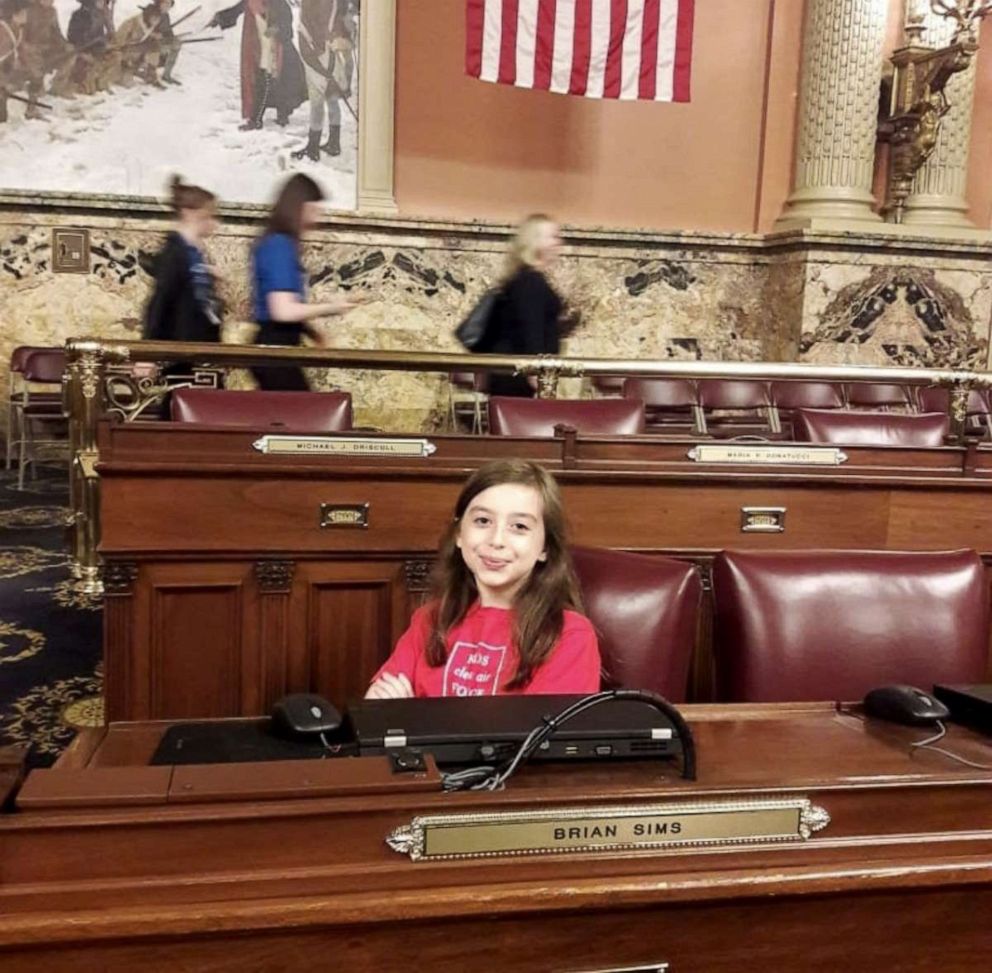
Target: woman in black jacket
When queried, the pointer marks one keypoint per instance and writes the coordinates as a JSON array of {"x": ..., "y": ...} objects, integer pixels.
[
  {"x": 184, "y": 305},
  {"x": 525, "y": 318}
]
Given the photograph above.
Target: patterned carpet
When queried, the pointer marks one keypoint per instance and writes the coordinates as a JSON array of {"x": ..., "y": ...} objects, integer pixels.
[{"x": 50, "y": 635}]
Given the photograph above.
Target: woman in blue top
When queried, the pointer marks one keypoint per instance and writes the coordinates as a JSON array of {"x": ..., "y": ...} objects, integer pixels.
[{"x": 281, "y": 307}]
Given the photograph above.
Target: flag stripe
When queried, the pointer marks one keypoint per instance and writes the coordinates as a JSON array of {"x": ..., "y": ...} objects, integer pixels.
[
  {"x": 526, "y": 43},
  {"x": 683, "y": 51},
  {"x": 492, "y": 35},
  {"x": 475, "y": 16},
  {"x": 649, "y": 49},
  {"x": 598, "y": 48},
  {"x": 631, "y": 67},
  {"x": 545, "y": 53},
  {"x": 582, "y": 36},
  {"x": 561, "y": 68},
  {"x": 614, "y": 54},
  {"x": 508, "y": 44}
]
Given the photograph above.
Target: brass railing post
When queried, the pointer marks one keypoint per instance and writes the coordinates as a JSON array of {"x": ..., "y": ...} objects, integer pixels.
[{"x": 85, "y": 400}]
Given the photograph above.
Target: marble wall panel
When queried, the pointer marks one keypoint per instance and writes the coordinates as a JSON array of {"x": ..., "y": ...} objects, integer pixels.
[{"x": 641, "y": 296}]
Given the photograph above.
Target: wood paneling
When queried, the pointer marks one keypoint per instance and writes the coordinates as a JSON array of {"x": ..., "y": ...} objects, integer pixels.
[{"x": 217, "y": 628}]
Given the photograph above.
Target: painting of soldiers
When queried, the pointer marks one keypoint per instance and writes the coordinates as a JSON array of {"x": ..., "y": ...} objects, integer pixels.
[
  {"x": 110, "y": 96},
  {"x": 327, "y": 48},
  {"x": 271, "y": 71}
]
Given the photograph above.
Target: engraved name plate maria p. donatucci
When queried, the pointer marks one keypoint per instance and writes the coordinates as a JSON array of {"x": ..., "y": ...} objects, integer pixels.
[{"x": 573, "y": 830}]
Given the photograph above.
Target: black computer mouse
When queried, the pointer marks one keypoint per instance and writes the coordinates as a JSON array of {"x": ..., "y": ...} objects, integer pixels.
[
  {"x": 905, "y": 704},
  {"x": 304, "y": 715}
]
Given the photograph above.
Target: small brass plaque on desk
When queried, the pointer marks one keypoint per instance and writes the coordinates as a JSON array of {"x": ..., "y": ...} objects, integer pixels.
[
  {"x": 575, "y": 830},
  {"x": 344, "y": 515},
  {"x": 766, "y": 454},
  {"x": 343, "y": 446}
]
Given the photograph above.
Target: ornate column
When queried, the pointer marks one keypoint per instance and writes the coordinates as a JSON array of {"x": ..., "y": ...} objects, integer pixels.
[
  {"x": 938, "y": 191},
  {"x": 376, "y": 83},
  {"x": 838, "y": 112}
]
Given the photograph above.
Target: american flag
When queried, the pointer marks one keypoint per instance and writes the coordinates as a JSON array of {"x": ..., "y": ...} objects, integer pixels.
[{"x": 626, "y": 49}]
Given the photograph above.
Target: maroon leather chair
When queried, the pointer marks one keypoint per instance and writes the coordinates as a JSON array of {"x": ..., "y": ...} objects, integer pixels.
[
  {"x": 669, "y": 403},
  {"x": 38, "y": 408},
  {"x": 807, "y": 395},
  {"x": 645, "y": 610},
  {"x": 591, "y": 417},
  {"x": 869, "y": 428},
  {"x": 746, "y": 399},
  {"x": 878, "y": 395},
  {"x": 311, "y": 412},
  {"x": 608, "y": 386},
  {"x": 807, "y": 625}
]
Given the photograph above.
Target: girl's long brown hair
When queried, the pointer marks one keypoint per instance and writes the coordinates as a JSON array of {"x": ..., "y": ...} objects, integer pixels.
[
  {"x": 539, "y": 607},
  {"x": 287, "y": 211}
]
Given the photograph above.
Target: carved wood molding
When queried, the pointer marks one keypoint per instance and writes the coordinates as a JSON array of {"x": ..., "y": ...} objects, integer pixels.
[
  {"x": 118, "y": 577},
  {"x": 274, "y": 577}
]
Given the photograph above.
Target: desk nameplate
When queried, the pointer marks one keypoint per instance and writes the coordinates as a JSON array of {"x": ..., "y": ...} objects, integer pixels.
[
  {"x": 760, "y": 454},
  {"x": 343, "y": 446},
  {"x": 619, "y": 828}
]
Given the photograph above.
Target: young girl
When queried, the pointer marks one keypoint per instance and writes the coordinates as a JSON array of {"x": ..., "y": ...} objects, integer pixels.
[
  {"x": 183, "y": 305},
  {"x": 503, "y": 619}
]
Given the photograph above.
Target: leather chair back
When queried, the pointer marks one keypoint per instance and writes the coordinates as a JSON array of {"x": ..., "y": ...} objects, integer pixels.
[
  {"x": 20, "y": 355},
  {"x": 731, "y": 393},
  {"x": 869, "y": 428},
  {"x": 44, "y": 366},
  {"x": 878, "y": 395},
  {"x": 662, "y": 394},
  {"x": 939, "y": 400},
  {"x": 591, "y": 417},
  {"x": 308, "y": 412},
  {"x": 812, "y": 625},
  {"x": 645, "y": 610},
  {"x": 807, "y": 395}
]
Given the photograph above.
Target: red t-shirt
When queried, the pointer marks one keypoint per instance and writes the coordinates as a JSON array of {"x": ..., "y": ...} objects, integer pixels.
[{"x": 482, "y": 658}]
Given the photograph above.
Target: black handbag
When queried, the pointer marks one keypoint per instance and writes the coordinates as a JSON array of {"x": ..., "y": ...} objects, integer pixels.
[{"x": 474, "y": 329}]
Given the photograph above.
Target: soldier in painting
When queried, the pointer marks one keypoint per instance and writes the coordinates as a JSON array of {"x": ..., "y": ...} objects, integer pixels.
[
  {"x": 327, "y": 47},
  {"x": 43, "y": 50},
  {"x": 138, "y": 42},
  {"x": 89, "y": 33},
  {"x": 13, "y": 18},
  {"x": 271, "y": 71},
  {"x": 169, "y": 44}
]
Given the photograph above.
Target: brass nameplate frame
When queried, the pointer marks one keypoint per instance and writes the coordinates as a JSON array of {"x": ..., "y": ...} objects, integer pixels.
[
  {"x": 344, "y": 515},
  {"x": 576, "y": 830},
  {"x": 343, "y": 446},
  {"x": 760, "y": 454}
]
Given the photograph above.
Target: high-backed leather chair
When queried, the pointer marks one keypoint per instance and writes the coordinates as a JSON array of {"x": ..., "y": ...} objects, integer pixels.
[
  {"x": 40, "y": 406},
  {"x": 742, "y": 398},
  {"x": 805, "y": 625},
  {"x": 789, "y": 396},
  {"x": 669, "y": 403},
  {"x": 869, "y": 428},
  {"x": 312, "y": 412},
  {"x": 645, "y": 610},
  {"x": 591, "y": 417},
  {"x": 20, "y": 392},
  {"x": 879, "y": 395}
]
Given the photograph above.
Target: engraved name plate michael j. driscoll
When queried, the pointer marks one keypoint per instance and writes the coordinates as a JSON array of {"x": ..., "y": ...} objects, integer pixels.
[
  {"x": 758, "y": 454},
  {"x": 344, "y": 446},
  {"x": 566, "y": 830}
]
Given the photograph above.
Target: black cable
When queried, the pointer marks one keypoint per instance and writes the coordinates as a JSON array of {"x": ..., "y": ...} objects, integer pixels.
[{"x": 489, "y": 777}]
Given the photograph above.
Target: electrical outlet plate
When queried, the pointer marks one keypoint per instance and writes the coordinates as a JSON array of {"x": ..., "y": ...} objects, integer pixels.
[{"x": 70, "y": 251}]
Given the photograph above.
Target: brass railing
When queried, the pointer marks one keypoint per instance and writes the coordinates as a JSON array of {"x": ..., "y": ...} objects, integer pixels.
[{"x": 90, "y": 362}]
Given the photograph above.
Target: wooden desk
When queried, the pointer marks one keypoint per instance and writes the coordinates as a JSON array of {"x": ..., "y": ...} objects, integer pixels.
[
  {"x": 160, "y": 877},
  {"x": 224, "y": 593}
]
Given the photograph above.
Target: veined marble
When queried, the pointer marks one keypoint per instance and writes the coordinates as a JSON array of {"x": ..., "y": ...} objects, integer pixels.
[{"x": 825, "y": 298}]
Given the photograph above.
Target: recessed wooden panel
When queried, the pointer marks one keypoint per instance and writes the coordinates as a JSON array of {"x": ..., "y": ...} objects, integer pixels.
[
  {"x": 352, "y": 614},
  {"x": 194, "y": 666}
]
